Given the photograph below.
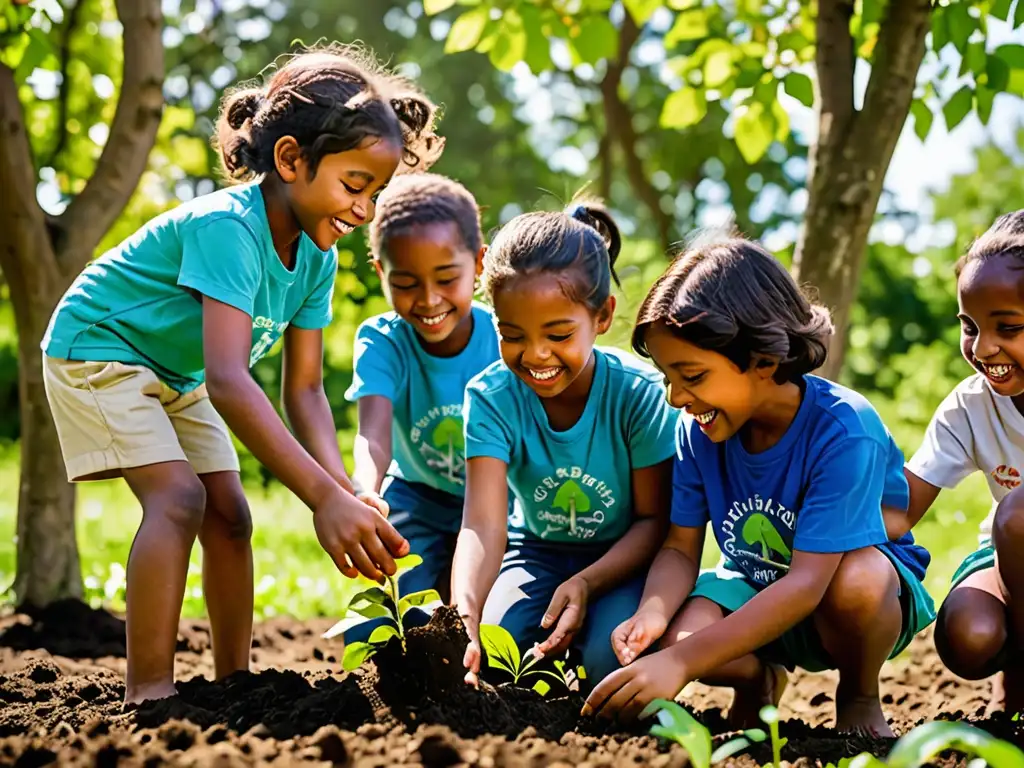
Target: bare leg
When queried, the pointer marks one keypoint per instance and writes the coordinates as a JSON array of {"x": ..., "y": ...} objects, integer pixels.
[
  {"x": 172, "y": 500},
  {"x": 1008, "y": 538}
]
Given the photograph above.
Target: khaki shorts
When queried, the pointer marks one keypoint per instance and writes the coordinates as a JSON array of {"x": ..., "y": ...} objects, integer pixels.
[{"x": 113, "y": 416}]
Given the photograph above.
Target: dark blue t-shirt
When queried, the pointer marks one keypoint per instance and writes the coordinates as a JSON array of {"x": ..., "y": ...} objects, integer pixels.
[{"x": 821, "y": 488}]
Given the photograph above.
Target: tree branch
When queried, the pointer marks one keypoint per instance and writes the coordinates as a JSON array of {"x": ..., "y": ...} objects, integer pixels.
[
  {"x": 835, "y": 60},
  {"x": 132, "y": 135},
  {"x": 619, "y": 126},
  {"x": 70, "y": 23}
]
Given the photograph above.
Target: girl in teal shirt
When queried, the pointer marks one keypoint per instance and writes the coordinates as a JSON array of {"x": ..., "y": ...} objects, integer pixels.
[{"x": 584, "y": 438}]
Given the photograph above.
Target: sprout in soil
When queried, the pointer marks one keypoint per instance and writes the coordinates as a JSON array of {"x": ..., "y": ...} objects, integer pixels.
[
  {"x": 503, "y": 653},
  {"x": 380, "y": 603}
]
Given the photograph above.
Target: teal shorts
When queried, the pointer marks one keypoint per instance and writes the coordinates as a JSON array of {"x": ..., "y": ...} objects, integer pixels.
[
  {"x": 980, "y": 559},
  {"x": 801, "y": 646}
]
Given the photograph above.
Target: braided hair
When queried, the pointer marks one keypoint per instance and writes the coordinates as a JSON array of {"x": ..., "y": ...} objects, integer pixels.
[
  {"x": 419, "y": 199},
  {"x": 329, "y": 100}
]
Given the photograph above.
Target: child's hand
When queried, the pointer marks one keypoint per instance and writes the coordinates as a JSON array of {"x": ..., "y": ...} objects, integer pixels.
[
  {"x": 471, "y": 659},
  {"x": 375, "y": 501},
  {"x": 350, "y": 530},
  {"x": 625, "y": 692},
  {"x": 568, "y": 606},
  {"x": 633, "y": 636}
]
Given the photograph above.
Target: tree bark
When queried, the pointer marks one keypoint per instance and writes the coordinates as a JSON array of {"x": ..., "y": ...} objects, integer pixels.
[
  {"x": 40, "y": 257},
  {"x": 849, "y": 160}
]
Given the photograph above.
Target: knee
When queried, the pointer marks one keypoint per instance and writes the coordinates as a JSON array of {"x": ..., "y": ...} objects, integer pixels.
[
  {"x": 1008, "y": 526},
  {"x": 864, "y": 588},
  {"x": 231, "y": 512},
  {"x": 182, "y": 503},
  {"x": 970, "y": 638}
]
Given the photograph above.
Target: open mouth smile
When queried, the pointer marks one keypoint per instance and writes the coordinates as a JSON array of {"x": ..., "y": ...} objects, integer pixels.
[
  {"x": 341, "y": 227},
  {"x": 706, "y": 419},
  {"x": 545, "y": 376},
  {"x": 998, "y": 373},
  {"x": 433, "y": 321}
]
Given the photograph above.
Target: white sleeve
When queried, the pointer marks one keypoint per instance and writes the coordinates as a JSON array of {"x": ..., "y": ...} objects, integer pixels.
[{"x": 947, "y": 453}]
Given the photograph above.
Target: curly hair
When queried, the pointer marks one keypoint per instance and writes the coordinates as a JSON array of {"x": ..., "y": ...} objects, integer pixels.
[
  {"x": 730, "y": 295},
  {"x": 579, "y": 245},
  {"x": 417, "y": 199},
  {"x": 329, "y": 100},
  {"x": 1004, "y": 238}
]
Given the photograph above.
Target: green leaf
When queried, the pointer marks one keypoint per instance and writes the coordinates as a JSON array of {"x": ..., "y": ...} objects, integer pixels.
[
  {"x": 961, "y": 24},
  {"x": 541, "y": 687},
  {"x": 382, "y": 634},
  {"x": 681, "y": 727},
  {"x": 355, "y": 655},
  {"x": 407, "y": 563},
  {"x": 418, "y": 599},
  {"x": 973, "y": 59},
  {"x": 689, "y": 25},
  {"x": 430, "y": 7},
  {"x": 641, "y": 10},
  {"x": 1018, "y": 14},
  {"x": 500, "y": 646},
  {"x": 1001, "y": 9},
  {"x": 39, "y": 47},
  {"x": 923, "y": 118},
  {"x": 754, "y": 131},
  {"x": 997, "y": 73},
  {"x": 684, "y": 108},
  {"x": 596, "y": 39},
  {"x": 344, "y": 626},
  {"x": 467, "y": 29},
  {"x": 781, "y": 121},
  {"x": 1012, "y": 54},
  {"x": 958, "y": 106},
  {"x": 800, "y": 87},
  {"x": 738, "y": 744},
  {"x": 927, "y": 741},
  {"x": 940, "y": 28},
  {"x": 537, "y": 57},
  {"x": 508, "y": 50},
  {"x": 718, "y": 68}
]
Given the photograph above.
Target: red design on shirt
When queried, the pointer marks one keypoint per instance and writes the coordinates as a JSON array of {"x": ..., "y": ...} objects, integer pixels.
[{"x": 1008, "y": 477}]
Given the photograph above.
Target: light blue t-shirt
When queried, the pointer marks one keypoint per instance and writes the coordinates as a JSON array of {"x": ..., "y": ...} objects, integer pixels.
[
  {"x": 819, "y": 489},
  {"x": 140, "y": 303},
  {"x": 426, "y": 394},
  {"x": 575, "y": 485}
]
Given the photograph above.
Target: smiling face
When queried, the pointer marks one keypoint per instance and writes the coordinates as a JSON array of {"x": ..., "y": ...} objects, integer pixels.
[
  {"x": 708, "y": 385},
  {"x": 429, "y": 276},
  {"x": 990, "y": 293},
  {"x": 340, "y": 197},
  {"x": 546, "y": 338}
]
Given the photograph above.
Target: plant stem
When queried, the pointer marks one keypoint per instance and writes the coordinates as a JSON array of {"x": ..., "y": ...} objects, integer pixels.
[{"x": 393, "y": 583}]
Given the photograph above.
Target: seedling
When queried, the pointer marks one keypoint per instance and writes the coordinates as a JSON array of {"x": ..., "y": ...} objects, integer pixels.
[
  {"x": 381, "y": 603},
  {"x": 503, "y": 653},
  {"x": 678, "y": 725}
]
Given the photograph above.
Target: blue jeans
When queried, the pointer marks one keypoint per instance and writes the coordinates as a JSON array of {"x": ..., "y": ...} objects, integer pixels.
[{"x": 530, "y": 573}]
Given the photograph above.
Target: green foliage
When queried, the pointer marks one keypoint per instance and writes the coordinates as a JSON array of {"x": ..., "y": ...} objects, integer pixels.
[
  {"x": 678, "y": 725},
  {"x": 503, "y": 654}
]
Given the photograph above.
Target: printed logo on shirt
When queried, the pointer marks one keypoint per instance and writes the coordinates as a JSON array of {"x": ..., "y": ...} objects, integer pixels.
[
  {"x": 1008, "y": 477},
  {"x": 573, "y": 503},
  {"x": 439, "y": 439},
  {"x": 265, "y": 331},
  {"x": 753, "y": 541}
]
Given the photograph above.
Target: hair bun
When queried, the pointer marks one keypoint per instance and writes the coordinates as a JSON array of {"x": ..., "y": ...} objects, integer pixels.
[{"x": 243, "y": 107}]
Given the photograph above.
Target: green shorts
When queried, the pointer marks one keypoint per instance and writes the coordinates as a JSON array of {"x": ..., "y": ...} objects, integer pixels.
[
  {"x": 980, "y": 559},
  {"x": 801, "y": 646}
]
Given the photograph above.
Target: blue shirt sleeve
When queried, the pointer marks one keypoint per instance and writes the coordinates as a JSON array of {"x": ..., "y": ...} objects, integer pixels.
[
  {"x": 689, "y": 500},
  {"x": 376, "y": 365},
  {"x": 316, "y": 312},
  {"x": 486, "y": 432},
  {"x": 652, "y": 434},
  {"x": 221, "y": 259},
  {"x": 842, "y": 508}
]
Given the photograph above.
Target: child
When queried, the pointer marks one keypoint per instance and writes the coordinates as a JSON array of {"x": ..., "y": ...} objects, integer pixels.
[
  {"x": 152, "y": 345},
  {"x": 791, "y": 471},
  {"x": 583, "y": 436},
  {"x": 412, "y": 366},
  {"x": 980, "y": 427}
]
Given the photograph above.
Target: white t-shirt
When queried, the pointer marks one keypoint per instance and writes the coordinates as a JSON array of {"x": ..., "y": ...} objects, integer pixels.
[{"x": 973, "y": 429}]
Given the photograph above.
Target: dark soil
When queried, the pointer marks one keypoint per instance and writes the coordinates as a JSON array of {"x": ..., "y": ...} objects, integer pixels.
[{"x": 61, "y": 687}]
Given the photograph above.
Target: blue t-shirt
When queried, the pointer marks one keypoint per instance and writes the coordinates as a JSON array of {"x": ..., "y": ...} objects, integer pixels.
[
  {"x": 426, "y": 394},
  {"x": 575, "y": 485},
  {"x": 140, "y": 302},
  {"x": 821, "y": 488}
]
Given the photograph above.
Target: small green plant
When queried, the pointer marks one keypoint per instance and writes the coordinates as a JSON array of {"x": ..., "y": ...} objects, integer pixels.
[
  {"x": 381, "y": 603},
  {"x": 503, "y": 653},
  {"x": 770, "y": 716},
  {"x": 678, "y": 725}
]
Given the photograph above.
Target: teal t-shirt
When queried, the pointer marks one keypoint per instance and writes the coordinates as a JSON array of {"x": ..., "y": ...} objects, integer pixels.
[
  {"x": 140, "y": 303},
  {"x": 426, "y": 394},
  {"x": 575, "y": 485}
]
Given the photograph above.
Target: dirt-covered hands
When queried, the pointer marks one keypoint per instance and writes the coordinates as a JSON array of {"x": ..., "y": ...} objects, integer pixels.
[
  {"x": 356, "y": 536},
  {"x": 625, "y": 692}
]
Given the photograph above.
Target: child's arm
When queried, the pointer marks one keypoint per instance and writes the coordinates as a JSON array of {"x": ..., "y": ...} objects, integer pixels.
[
  {"x": 373, "y": 443},
  {"x": 347, "y": 529},
  {"x": 305, "y": 403},
  {"x": 480, "y": 547},
  {"x": 652, "y": 494},
  {"x": 898, "y": 522}
]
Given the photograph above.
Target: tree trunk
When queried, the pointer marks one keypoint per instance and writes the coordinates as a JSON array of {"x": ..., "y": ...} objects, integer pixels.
[
  {"x": 849, "y": 160},
  {"x": 40, "y": 257}
]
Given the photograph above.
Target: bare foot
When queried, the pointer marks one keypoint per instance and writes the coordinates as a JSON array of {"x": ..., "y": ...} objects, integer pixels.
[
  {"x": 747, "y": 703},
  {"x": 862, "y": 715},
  {"x": 149, "y": 692}
]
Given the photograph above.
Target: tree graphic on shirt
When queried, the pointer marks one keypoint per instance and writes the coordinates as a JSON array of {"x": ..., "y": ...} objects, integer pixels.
[
  {"x": 571, "y": 498},
  {"x": 448, "y": 435},
  {"x": 759, "y": 531}
]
